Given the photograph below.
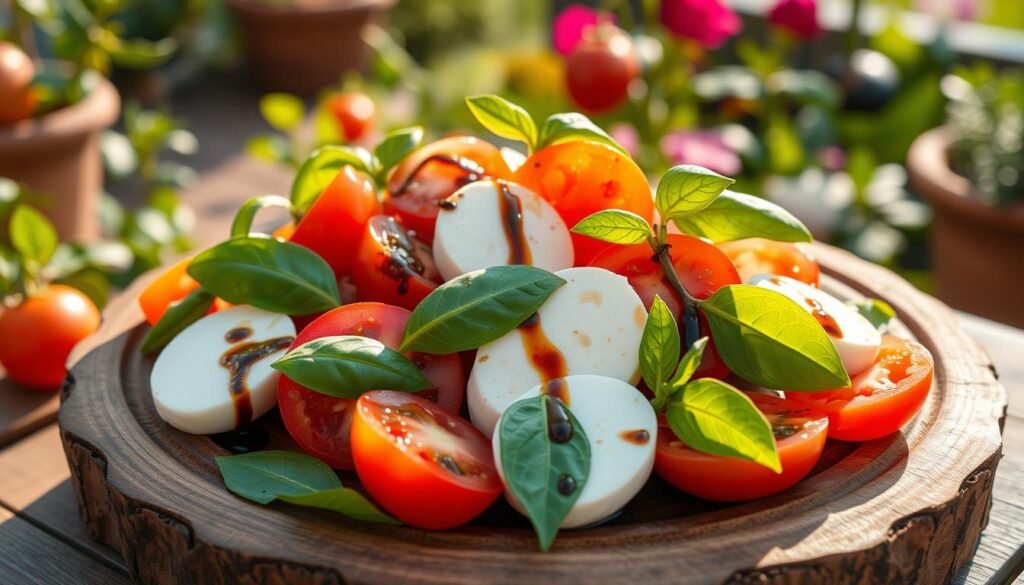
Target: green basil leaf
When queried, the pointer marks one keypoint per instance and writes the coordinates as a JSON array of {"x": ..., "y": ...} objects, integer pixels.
[
  {"x": 242, "y": 224},
  {"x": 688, "y": 365},
  {"x": 713, "y": 417},
  {"x": 32, "y": 235},
  {"x": 503, "y": 118},
  {"x": 734, "y": 216},
  {"x": 176, "y": 319},
  {"x": 138, "y": 53},
  {"x": 283, "y": 111},
  {"x": 877, "y": 311},
  {"x": 766, "y": 338},
  {"x": 345, "y": 501},
  {"x": 347, "y": 366},
  {"x": 277, "y": 276},
  {"x": 270, "y": 148},
  {"x": 320, "y": 169},
  {"x": 396, "y": 146},
  {"x": 659, "y": 345},
  {"x": 614, "y": 226},
  {"x": 267, "y": 475},
  {"x": 685, "y": 189},
  {"x": 533, "y": 464},
  {"x": 477, "y": 307},
  {"x": 572, "y": 127}
]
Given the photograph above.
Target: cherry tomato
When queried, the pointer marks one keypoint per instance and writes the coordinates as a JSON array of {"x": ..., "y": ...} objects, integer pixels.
[
  {"x": 428, "y": 467},
  {"x": 320, "y": 423},
  {"x": 393, "y": 266},
  {"x": 600, "y": 69},
  {"x": 354, "y": 112},
  {"x": 702, "y": 269},
  {"x": 335, "y": 222},
  {"x": 434, "y": 172},
  {"x": 37, "y": 336},
  {"x": 581, "y": 178},
  {"x": 755, "y": 256},
  {"x": 18, "y": 99},
  {"x": 880, "y": 400},
  {"x": 800, "y": 433}
]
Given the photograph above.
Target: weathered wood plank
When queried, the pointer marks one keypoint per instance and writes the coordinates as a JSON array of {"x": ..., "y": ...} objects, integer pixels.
[{"x": 23, "y": 411}]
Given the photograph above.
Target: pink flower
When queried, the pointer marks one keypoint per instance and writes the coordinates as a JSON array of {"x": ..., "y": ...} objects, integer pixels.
[
  {"x": 701, "y": 147},
  {"x": 627, "y": 137},
  {"x": 798, "y": 17},
  {"x": 709, "y": 22},
  {"x": 572, "y": 23}
]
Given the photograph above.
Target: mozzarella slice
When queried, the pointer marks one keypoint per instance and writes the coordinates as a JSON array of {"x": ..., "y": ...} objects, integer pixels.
[
  {"x": 477, "y": 228},
  {"x": 855, "y": 338},
  {"x": 192, "y": 390},
  {"x": 622, "y": 430},
  {"x": 594, "y": 322}
]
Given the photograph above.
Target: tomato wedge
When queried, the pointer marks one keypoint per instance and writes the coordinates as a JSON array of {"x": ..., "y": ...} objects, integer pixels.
[
  {"x": 800, "y": 433},
  {"x": 428, "y": 467},
  {"x": 170, "y": 287},
  {"x": 392, "y": 265},
  {"x": 881, "y": 399},
  {"x": 754, "y": 256}
]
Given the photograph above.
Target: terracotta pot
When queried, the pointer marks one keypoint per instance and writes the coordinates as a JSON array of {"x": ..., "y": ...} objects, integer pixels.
[
  {"x": 300, "y": 46},
  {"x": 977, "y": 250},
  {"x": 58, "y": 154}
]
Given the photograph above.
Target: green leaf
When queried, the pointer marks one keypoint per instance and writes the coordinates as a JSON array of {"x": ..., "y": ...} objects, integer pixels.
[
  {"x": 715, "y": 418},
  {"x": 689, "y": 364},
  {"x": 277, "y": 276},
  {"x": 267, "y": 475},
  {"x": 767, "y": 339},
  {"x": 615, "y": 226},
  {"x": 32, "y": 235},
  {"x": 685, "y": 189},
  {"x": 345, "y": 501},
  {"x": 320, "y": 169},
  {"x": 139, "y": 53},
  {"x": 477, "y": 307},
  {"x": 269, "y": 148},
  {"x": 396, "y": 146},
  {"x": 533, "y": 464},
  {"x": 572, "y": 127},
  {"x": 91, "y": 282},
  {"x": 734, "y": 216},
  {"x": 282, "y": 111},
  {"x": 877, "y": 311},
  {"x": 503, "y": 118},
  {"x": 659, "y": 346},
  {"x": 176, "y": 319},
  {"x": 346, "y": 366},
  {"x": 242, "y": 224}
]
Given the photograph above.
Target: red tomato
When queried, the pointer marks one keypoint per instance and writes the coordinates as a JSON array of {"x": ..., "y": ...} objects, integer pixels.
[
  {"x": 581, "y": 178},
  {"x": 393, "y": 266},
  {"x": 880, "y": 400},
  {"x": 600, "y": 69},
  {"x": 354, "y": 112},
  {"x": 428, "y": 467},
  {"x": 702, "y": 269},
  {"x": 37, "y": 335},
  {"x": 320, "y": 423},
  {"x": 800, "y": 433},
  {"x": 18, "y": 99},
  {"x": 170, "y": 287},
  {"x": 434, "y": 172},
  {"x": 755, "y": 256},
  {"x": 335, "y": 222}
]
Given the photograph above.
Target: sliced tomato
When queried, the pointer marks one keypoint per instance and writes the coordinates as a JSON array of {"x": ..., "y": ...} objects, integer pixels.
[
  {"x": 800, "y": 433},
  {"x": 320, "y": 423},
  {"x": 426, "y": 466},
  {"x": 754, "y": 256},
  {"x": 881, "y": 399},
  {"x": 393, "y": 266},
  {"x": 170, "y": 287}
]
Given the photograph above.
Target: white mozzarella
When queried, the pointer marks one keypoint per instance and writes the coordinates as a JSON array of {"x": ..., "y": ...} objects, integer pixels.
[
  {"x": 616, "y": 418},
  {"x": 595, "y": 320},
  {"x": 191, "y": 389},
  {"x": 471, "y": 232},
  {"x": 857, "y": 341}
]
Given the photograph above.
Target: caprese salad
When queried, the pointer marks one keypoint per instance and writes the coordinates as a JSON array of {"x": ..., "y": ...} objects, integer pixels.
[{"x": 454, "y": 322}]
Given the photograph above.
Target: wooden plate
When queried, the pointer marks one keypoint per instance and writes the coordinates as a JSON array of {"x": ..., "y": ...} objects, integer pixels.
[{"x": 905, "y": 509}]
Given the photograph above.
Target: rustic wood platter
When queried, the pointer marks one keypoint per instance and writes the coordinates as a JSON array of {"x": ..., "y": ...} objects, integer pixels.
[{"x": 908, "y": 508}]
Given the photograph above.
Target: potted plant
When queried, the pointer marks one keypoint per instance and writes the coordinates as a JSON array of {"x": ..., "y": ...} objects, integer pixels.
[{"x": 971, "y": 171}]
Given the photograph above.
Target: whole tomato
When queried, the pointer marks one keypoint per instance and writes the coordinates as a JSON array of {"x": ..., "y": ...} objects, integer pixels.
[
  {"x": 354, "y": 112},
  {"x": 600, "y": 69},
  {"x": 18, "y": 99}
]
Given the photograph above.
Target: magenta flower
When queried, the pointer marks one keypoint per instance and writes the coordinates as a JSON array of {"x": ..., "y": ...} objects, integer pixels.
[
  {"x": 701, "y": 147},
  {"x": 572, "y": 23},
  {"x": 797, "y": 17},
  {"x": 709, "y": 22}
]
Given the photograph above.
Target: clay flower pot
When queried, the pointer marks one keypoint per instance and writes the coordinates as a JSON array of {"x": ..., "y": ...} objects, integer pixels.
[
  {"x": 58, "y": 155},
  {"x": 976, "y": 249},
  {"x": 300, "y": 46}
]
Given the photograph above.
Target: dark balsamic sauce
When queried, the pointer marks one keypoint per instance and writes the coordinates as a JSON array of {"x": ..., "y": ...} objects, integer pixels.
[
  {"x": 239, "y": 360},
  {"x": 827, "y": 322},
  {"x": 238, "y": 334},
  {"x": 402, "y": 252},
  {"x": 473, "y": 171},
  {"x": 559, "y": 424},
  {"x": 248, "y": 439},
  {"x": 512, "y": 220},
  {"x": 566, "y": 485},
  {"x": 637, "y": 437},
  {"x": 549, "y": 362}
]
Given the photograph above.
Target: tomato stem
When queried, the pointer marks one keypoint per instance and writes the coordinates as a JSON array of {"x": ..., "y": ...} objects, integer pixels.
[{"x": 688, "y": 319}]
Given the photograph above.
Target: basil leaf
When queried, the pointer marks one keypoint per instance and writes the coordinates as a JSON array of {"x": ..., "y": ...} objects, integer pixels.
[
  {"x": 713, "y": 417},
  {"x": 766, "y": 338},
  {"x": 242, "y": 224},
  {"x": 396, "y": 146},
  {"x": 176, "y": 319},
  {"x": 503, "y": 118},
  {"x": 734, "y": 216},
  {"x": 267, "y": 475},
  {"x": 877, "y": 311},
  {"x": 614, "y": 226},
  {"x": 659, "y": 346},
  {"x": 32, "y": 235},
  {"x": 533, "y": 464},
  {"x": 283, "y": 111},
  {"x": 477, "y": 307},
  {"x": 347, "y": 366},
  {"x": 345, "y": 501},
  {"x": 685, "y": 189},
  {"x": 263, "y": 272},
  {"x": 572, "y": 127},
  {"x": 317, "y": 172},
  {"x": 689, "y": 364}
]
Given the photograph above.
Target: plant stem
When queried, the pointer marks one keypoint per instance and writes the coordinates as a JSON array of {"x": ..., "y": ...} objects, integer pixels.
[
  {"x": 688, "y": 319},
  {"x": 853, "y": 29}
]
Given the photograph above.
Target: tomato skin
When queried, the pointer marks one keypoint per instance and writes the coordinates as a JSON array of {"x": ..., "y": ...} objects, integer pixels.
[
  {"x": 173, "y": 285},
  {"x": 726, "y": 479},
  {"x": 320, "y": 423},
  {"x": 600, "y": 69},
  {"x": 754, "y": 256},
  {"x": 18, "y": 99},
  {"x": 354, "y": 112},
  {"x": 37, "y": 336},
  {"x": 334, "y": 223},
  {"x": 880, "y": 400},
  {"x": 404, "y": 480},
  {"x": 393, "y": 267},
  {"x": 581, "y": 178}
]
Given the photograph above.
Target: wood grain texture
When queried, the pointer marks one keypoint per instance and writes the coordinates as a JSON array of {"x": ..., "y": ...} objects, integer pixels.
[
  {"x": 23, "y": 411},
  {"x": 907, "y": 508}
]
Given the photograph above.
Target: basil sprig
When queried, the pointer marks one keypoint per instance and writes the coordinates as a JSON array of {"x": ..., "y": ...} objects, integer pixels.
[
  {"x": 615, "y": 226},
  {"x": 734, "y": 216},
  {"x": 177, "y": 318}
]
